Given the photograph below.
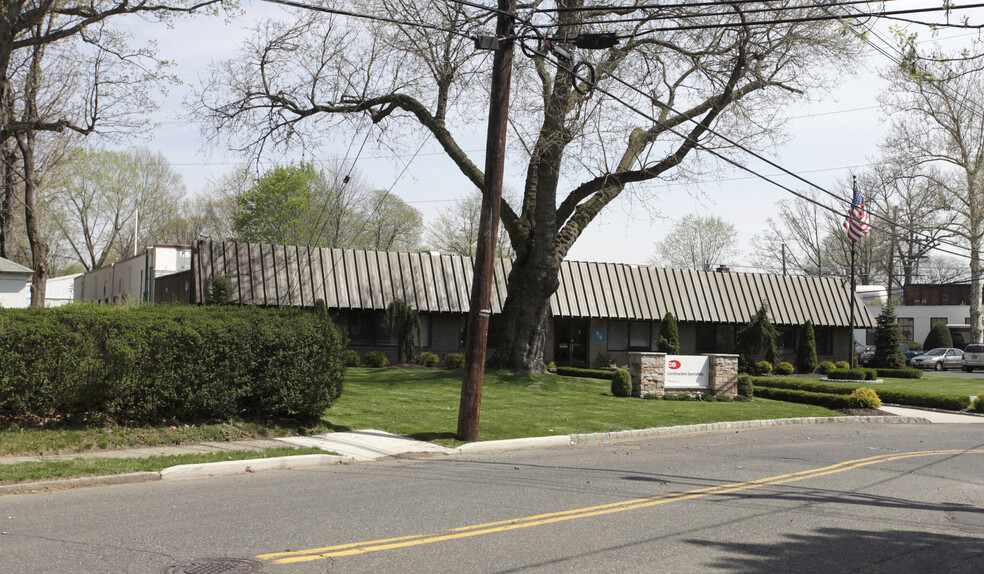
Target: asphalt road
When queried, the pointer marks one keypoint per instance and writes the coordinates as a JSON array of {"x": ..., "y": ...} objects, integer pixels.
[
  {"x": 978, "y": 374},
  {"x": 826, "y": 498}
]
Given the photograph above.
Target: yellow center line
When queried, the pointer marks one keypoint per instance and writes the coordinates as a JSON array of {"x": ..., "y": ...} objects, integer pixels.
[{"x": 354, "y": 548}]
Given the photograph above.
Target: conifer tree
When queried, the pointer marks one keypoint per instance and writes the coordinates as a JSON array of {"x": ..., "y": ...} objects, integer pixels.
[
  {"x": 939, "y": 336},
  {"x": 758, "y": 334},
  {"x": 806, "y": 351},
  {"x": 888, "y": 341},
  {"x": 669, "y": 335},
  {"x": 402, "y": 320}
]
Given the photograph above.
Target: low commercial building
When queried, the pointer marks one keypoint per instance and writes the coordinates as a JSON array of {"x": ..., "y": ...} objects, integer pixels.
[
  {"x": 600, "y": 313},
  {"x": 138, "y": 278},
  {"x": 15, "y": 284}
]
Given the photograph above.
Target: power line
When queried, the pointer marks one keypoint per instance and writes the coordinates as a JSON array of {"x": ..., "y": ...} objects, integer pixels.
[
  {"x": 339, "y": 12},
  {"x": 735, "y": 163}
]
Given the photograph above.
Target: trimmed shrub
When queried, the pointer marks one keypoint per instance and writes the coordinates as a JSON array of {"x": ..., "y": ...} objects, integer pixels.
[
  {"x": 763, "y": 368},
  {"x": 745, "y": 388},
  {"x": 742, "y": 399},
  {"x": 351, "y": 358},
  {"x": 454, "y": 360},
  {"x": 842, "y": 365},
  {"x": 865, "y": 398},
  {"x": 793, "y": 396},
  {"x": 375, "y": 359},
  {"x": 622, "y": 383},
  {"x": 428, "y": 359},
  {"x": 939, "y": 336},
  {"x": 900, "y": 373},
  {"x": 586, "y": 373},
  {"x": 914, "y": 346},
  {"x": 785, "y": 368},
  {"x": 678, "y": 397},
  {"x": 848, "y": 374},
  {"x": 979, "y": 404},
  {"x": 806, "y": 350},
  {"x": 602, "y": 360},
  {"x": 870, "y": 374},
  {"x": 826, "y": 366},
  {"x": 724, "y": 398},
  {"x": 757, "y": 335},
  {"x": 948, "y": 402},
  {"x": 147, "y": 365}
]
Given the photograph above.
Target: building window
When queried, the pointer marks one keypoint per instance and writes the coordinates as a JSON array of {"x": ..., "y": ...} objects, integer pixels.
[
  {"x": 706, "y": 338},
  {"x": 787, "y": 340},
  {"x": 907, "y": 327},
  {"x": 639, "y": 336},
  {"x": 362, "y": 329},
  {"x": 936, "y": 320},
  {"x": 423, "y": 336},
  {"x": 618, "y": 335},
  {"x": 823, "y": 336}
]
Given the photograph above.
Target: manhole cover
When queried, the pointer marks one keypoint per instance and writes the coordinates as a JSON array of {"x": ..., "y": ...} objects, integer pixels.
[{"x": 213, "y": 566}]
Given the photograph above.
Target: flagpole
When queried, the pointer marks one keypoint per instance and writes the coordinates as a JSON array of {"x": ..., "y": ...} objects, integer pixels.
[{"x": 850, "y": 301}]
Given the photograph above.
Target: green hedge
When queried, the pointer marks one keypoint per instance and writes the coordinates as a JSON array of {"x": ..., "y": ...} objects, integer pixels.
[
  {"x": 900, "y": 373},
  {"x": 88, "y": 363},
  {"x": 586, "y": 373},
  {"x": 820, "y": 399},
  {"x": 853, "y": 374},
  {"x": 911, "y": 398}
]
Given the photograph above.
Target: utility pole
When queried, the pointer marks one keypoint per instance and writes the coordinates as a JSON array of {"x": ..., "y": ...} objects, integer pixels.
[{"x": 481, "y": 296}]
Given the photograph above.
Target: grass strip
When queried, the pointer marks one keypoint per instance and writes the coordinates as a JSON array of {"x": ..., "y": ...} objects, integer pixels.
[{"x": 99, "y": 466}]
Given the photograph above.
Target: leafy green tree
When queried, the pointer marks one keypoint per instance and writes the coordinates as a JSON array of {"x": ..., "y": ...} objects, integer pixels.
[
  {"x": 806, "y": 351},
  {"x": 888, "y": 341},
  {"x": 669, "y": 335},
  {"x": 939, "y": 336},
  {"x": 387, "y": 223},
  {"x": 279, "y": 208},
  {"x": 402, "y": 320},
  {"x": 757, "y": 335}
]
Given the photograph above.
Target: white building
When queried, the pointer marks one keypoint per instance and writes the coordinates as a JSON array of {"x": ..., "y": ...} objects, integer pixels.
[
  {"x": 127, "y": 279},
  {"x": 15, "y": 284},
  {"x": 924, "y": 306}
]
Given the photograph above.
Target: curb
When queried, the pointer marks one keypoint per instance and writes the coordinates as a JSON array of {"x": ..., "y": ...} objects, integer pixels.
[
  {"x": 83, "y": 481},
  {"x": 515, "y": 444},
  {"x": 249, "y": 465}
]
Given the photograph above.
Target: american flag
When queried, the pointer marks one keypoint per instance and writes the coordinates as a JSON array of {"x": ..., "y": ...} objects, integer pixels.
[{"x": 856, "y": 222}]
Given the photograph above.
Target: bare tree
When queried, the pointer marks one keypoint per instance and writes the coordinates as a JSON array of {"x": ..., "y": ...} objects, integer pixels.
[
  {"x": 387, "y": 223},
  {"x": 697, "y": 242},
  {"x": 794, "y": 240},
  {"x": 938, "y": 129},
  {"x": 695, "y": 74},
  {"x": 941, "y": 271},
  {"x": 456, "y": 229},
  {"x": 111, "y": 201}
]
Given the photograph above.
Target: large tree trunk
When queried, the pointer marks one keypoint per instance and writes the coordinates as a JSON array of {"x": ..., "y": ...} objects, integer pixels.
[
  {"x": 976, "y": 321},
  {"x": 525, "y": 316},
  {"x": 39, "y": 248},
  {"x": 8, "y": 196}
]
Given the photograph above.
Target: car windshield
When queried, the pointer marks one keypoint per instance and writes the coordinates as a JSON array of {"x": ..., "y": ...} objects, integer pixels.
[{"x": 936, "y": 352}]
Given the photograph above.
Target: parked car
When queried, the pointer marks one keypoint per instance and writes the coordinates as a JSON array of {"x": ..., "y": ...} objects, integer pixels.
[
  {"x": 940, "y": 358},
  {"x": 973, "y": 357},
  {"x": 909, "y": 354},
  {"x": 867, "y": 353}
]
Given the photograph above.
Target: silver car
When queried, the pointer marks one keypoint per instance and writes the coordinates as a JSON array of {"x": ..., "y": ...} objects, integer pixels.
[
  {"x": 973, "y": 357},
  {"x": 940, "y": 358}
]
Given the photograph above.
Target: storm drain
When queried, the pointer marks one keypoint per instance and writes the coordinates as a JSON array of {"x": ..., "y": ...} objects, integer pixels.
[{"x": 213, "y": 566}]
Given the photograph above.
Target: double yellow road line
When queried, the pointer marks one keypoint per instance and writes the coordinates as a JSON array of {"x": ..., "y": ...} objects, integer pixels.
[{"x": 354, "y": 548}]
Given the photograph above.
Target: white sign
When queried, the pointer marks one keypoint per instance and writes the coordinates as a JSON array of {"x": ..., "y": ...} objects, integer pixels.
[{"x": 687, "y": 372}]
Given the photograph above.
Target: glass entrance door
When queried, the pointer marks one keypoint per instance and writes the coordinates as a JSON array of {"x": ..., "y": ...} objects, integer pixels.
[{"x": 571, "y": 342}]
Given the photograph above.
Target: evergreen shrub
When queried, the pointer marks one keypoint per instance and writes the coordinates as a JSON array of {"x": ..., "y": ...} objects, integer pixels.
[
  {"x": 806, "y": 350},
  {"x": 888, "y": 341},
  {"x": 454, "y": 360},
  {"x": 351, "y": 358},
  {"x": 745, "y": 387},
  {"x": 979, "y": 403},
  {"x": 911, "y": 398},
  {"x": 900, "y": 373},
  {"x": 428, "y": 359},
  {"x": 763, "y": 368},
  {"x": 842, "y": 365},
  {"x": 785, "y": 368},
  {"x": 622, "y": 383},
  {"x": 375, "y": 359},
  {"x": 939, "y": 336},
  {"x": 669, "y": 335},
  {"x": 825, "y": 367},
  {"x": 848, "y": 374},
  {"x": 147, "y": 365},
  {"x": 865, "y": 398},
  {"x": 829, "y": 401}
]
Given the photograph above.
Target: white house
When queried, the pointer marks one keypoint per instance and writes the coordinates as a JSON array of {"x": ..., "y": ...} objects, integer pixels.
[{"x": 15, "y": 284}]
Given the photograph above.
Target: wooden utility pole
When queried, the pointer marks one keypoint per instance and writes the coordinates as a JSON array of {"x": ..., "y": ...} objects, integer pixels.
[{"x": 481, "y": 296}]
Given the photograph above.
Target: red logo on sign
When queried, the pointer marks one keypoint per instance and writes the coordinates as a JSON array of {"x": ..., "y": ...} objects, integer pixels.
[{"x": 674, "y": 365}]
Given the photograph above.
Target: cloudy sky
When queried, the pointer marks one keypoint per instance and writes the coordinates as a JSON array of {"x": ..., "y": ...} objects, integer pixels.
[{"x": 830, "y": 138}]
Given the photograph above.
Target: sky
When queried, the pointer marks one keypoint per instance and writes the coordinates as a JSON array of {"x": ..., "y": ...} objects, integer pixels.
[{"x": 830, "y": 138}]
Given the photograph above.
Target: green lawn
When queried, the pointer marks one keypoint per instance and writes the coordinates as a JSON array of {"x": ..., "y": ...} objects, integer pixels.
[
  {"x": 424, "y": 404},
  {"x": 60, "y": 469},
  {"x": 935, "y": 384}
]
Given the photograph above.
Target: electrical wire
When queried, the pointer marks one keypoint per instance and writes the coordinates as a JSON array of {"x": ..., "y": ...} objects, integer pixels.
[
  {"x": 743, "y": 167},
  {"x": 338, "y": 12}
]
